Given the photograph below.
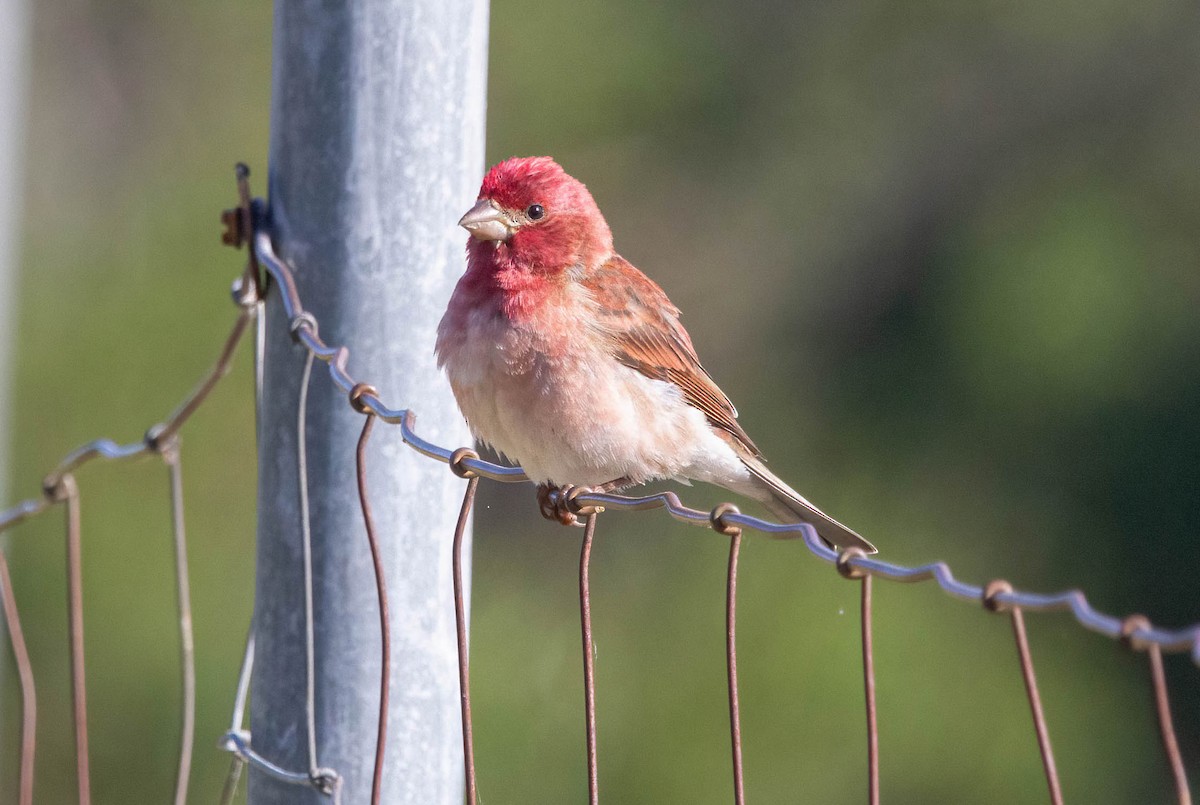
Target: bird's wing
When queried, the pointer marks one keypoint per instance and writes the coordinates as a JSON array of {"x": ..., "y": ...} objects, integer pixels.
[{"x": 645, "y": 333}]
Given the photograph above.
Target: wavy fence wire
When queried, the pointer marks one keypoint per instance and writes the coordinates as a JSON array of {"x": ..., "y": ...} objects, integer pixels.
[{"x": 248, "y": 225}]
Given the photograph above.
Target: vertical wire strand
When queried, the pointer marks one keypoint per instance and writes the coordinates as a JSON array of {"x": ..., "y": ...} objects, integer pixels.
[
  {"x": 243, "y": 684},
  {"x": 735, "y": 722},
  {"x": 75, "y": 625},
  {"x": 310, "y": 661},
  {"x": 589, "y": 659},
  {"x": 868, "y": 651},
  {"x": 1166, "y": 726},
  {"x": 16, "y": 638},
  {"x": 460, "y": 623},
  {"x": 229, "y": 790},
  {"x": 1035, "y": 707},
  {"x": 238, "y": 763},
  {"x": 260, "y": 346},
  {"x": 187, "y": 651},
  {"x": 385, "y": 634},
  {"x": 849, "y": 570},
  {"x": 327, "y": 781}
]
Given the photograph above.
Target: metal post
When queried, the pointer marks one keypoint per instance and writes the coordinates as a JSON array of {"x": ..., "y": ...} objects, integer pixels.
[{"x": 376, "y": 149}]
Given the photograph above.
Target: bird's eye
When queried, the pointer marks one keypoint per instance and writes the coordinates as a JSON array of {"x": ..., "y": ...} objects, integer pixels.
[{"x": 535, "y": 212}]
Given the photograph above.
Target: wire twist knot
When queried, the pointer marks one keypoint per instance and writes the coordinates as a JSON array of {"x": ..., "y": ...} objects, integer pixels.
[
  {"x": 303, "y": 319},
  {"x": 716, "y": 518},
  {"x": 456, "y": 462},
  {"x": 243, "y": 296},
  {"x": 569, "y": 497},
  {"x": 561, "y": 504},
  {"x": 845, "y": 563},
  {"x": 57, "y": 488},
  {"x": 327, "y": 781},
  {"x": 357, "y": 393},
  {"x": 155, "y": 442},
  {"x": 1130, "y": 626},
  {"x": 991, "y": 595}
]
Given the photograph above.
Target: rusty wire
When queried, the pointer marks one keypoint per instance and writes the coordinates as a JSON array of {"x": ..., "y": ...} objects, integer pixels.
[
  {"x": 385, "y": 634},
  {"x": 187, "y": 648},
  {"x": 1162, "y": 709},
  {"x": 60, "y": 487},
  {"x": 991, "y": 595},
  {"x": 1035, "y": 706},
  {"x": 108, "y": 449},
  {"x": 717, "y": 519},
  {"x": 869, "y": 694},
  {"x": 1142, "y": 636},
  {"x": 162, "y": 432},
  {"x": 246, "y": 226},
  {"x": 735, "y": 720},
  {"x": 1162, "y": 706},
  {"x": 589, "y": 658},
  {"x": 1182, "y": 640},
  {"x": 67, "y": 491},
  {"x": 16, "y": 639},
  {"x": 460, "y": 622},
  {"x": 849, "y": 571},
  {"x": 566, "y": 509}
]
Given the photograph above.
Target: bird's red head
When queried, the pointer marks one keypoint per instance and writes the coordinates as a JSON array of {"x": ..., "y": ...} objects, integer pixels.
[{"x": 544, "y": 218}]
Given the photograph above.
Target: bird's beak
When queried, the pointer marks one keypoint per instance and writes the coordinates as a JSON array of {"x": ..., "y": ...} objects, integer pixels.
[{"x": 486, "y": 221}]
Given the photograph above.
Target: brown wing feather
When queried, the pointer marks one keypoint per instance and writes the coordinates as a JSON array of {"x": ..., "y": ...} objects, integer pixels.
[{"x": 646, "y": 335}]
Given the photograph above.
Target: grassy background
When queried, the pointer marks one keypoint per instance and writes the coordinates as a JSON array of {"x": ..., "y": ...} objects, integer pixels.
[{"x": 942, "y": 255}]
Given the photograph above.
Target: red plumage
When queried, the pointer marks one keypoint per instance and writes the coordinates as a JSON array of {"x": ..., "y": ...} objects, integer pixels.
[{"x": 571, "y": 361}]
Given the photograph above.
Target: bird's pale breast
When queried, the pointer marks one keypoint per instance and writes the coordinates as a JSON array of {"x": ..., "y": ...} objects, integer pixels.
[{"x": 547, "y": 395}]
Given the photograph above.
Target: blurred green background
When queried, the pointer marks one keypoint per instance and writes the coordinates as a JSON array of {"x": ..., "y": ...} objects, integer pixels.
[{"x": 943, "y": 256}]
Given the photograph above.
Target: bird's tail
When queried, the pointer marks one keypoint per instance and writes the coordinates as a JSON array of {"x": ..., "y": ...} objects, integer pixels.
[{"x": 787, "y": 504}]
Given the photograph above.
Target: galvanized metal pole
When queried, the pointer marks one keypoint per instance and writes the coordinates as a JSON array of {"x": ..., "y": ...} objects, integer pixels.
[{"x": 376, "y": 149}]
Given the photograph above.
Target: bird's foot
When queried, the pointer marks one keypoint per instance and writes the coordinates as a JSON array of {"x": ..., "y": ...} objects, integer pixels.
[
  {"x": 615, "y": 485},
  {"x": 553, "y": 505}
]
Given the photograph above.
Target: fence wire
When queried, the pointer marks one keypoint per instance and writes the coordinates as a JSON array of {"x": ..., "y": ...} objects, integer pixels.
[
  {"x": 569, "y": 503},
  {"x": 60, "y": 488},
  {"x": 248, "y": 225}
]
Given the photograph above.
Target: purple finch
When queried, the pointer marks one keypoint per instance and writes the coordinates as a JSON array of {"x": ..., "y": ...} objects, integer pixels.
[{"x": 570, "y": 361}]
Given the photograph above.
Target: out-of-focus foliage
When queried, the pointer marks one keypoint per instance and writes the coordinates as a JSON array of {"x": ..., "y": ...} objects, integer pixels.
[{"x": 943, "y": 256}]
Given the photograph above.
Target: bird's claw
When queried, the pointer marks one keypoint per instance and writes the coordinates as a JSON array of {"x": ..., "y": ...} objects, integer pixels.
[
  {"x": 615, "y": 485},
  {"x": 553, "y": 505}
]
